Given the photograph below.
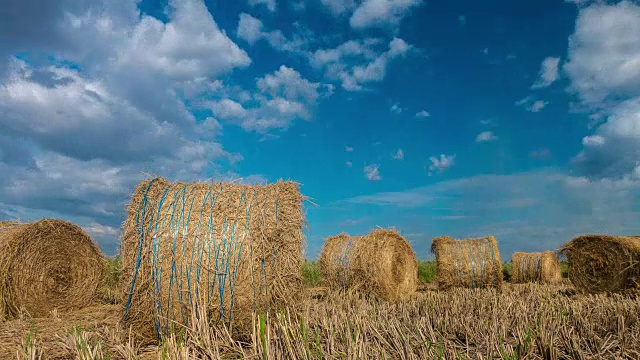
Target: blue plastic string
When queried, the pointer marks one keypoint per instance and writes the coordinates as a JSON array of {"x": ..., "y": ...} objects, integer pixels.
[
  {"x": 156, "y": 274},
  {"x": 137, "y": 268}
]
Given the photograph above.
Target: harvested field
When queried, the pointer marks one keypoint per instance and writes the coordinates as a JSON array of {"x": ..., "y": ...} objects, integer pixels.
[
  {"x": 381, "y": 262},
  {"x": 45, "y": 265},
  {"x": 541, "y": 267},
  {"x": 523, "y": 321},
  {"x": 471, "y": 263},
  {"x": 602, "y": 263},
  {"x": 231, "y": 248}
]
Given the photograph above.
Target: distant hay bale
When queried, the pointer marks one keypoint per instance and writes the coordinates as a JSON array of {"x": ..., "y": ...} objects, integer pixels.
[
  {"x": 540, "y": 267},
  {"x": 471, "y": 263},
  {"x": 381, "y": 262},
  {"x": 225, "y": 247},
  {"x": 602, "y": 263},
  {"x": 45, "y": 265}
]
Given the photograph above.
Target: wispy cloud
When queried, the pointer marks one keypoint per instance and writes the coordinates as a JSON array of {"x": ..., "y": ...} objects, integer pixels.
[
  {"x": 486, "y": 136},
  {"x": 532, "y": 105},
  {"x": 422, "y": 114},
  {"x": 556, "y": 207},
  {"x": 540, "y": 154},
  {"x": 399, "y": 155},
  {"x": 269, "y": 4}
]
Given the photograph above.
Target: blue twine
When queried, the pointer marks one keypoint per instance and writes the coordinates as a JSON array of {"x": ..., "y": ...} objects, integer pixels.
[{"x": 135, "y": 273}]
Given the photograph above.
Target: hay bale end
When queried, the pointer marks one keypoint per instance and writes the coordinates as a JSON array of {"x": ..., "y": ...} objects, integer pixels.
[
  {"x": 45, "y": 265},
  {"x": 603, "y": 263},
  {"x": 381, "y": 262}
]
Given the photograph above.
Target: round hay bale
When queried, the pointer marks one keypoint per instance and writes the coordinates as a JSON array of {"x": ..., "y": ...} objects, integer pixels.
[
  {"x": 226, "y": 248},
  {"x": 540, "y": 267},
  {"x": 381, "y": 262},
  {"x": 602, "y": 263},
  {"x": 45, "y": 265},
  {"x": 471, "y": 263}
]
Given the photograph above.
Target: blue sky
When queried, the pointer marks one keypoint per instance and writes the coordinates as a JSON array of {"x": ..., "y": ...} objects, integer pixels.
[{"x": 520, "y": 120}]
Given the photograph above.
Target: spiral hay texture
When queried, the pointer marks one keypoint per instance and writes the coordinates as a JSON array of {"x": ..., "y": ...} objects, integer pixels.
[
  {"x": 601, "y": 263},
  {"x": 382, "y": 263},
  {"x": 230, "y": 249},
  {"x": 471, "y": 263},
  {"x": 540, "y": 267},
  {"x": 46, "y": 265}
]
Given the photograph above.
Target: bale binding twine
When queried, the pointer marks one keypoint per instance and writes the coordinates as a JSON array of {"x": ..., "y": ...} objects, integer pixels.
[
  {"x": 381, "y": 262},
  {"x": 45, "y": 265},
  {"x": 471, "y": 263},
  {"x": 540, "y": 267},
  {"x": 231, "y": 249},
  {"x": 603, "y": 263}
]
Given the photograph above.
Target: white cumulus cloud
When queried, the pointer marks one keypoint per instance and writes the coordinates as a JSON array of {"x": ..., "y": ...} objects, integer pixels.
[
  {"x": 486, "y": 136},
  {"x": 372, "y": 172},
  {"x": 380, "y": 13},
  {"x": 548, "y": 73},
  {"x": 440, "y": 164}
]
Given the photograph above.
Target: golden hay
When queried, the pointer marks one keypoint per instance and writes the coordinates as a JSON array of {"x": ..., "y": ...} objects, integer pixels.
[
  {"x": 45, "y": 265},
  {"x": 602, "y": 263},
  {"x": 473, "y": 263},
  {"x": 230, "y": 248},
  {"x": 541, "y": 267},
  {"x": 382, "y": 263}
]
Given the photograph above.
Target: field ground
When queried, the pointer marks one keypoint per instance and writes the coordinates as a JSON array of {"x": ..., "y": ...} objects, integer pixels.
[{"x": 522, "y": 322}]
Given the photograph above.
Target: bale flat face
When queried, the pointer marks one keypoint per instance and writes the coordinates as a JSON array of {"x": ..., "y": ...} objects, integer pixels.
[
  {"x": 46, "y": 265},
  {"x": 601, "y": 263},
  {"x": 472, "y": 263},
  {"x": 540, "y": 267},
  {"x": 381, "y": 262},
  {"x": 230, "y": 248}
]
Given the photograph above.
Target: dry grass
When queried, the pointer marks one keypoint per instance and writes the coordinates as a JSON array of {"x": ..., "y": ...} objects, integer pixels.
[{"x": 528, "y": 321}]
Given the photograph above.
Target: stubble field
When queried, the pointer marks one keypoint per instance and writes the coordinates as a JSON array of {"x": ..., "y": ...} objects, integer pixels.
[{"x": 526, "y": 321}]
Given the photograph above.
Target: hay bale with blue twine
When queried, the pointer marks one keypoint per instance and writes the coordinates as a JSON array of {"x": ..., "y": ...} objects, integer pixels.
[
  {"x": 539, "y": 267},
  {"x": 469, "y": 263},
  {"x": 47, "y": 265},
  {"x": 231, "y": 250},
  {"x": 381, "y": 263}
]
